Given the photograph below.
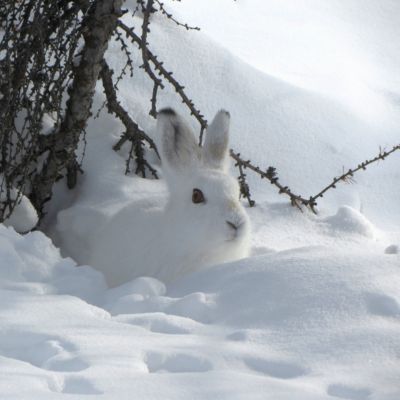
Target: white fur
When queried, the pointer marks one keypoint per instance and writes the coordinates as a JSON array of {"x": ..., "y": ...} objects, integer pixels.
[{"x": 169, "y": 240}]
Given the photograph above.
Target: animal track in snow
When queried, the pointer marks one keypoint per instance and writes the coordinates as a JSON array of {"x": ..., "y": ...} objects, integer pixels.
[
  {"x": 238, "y": 336},
  {"x": 79, "y": 385},
  {"x": 383, "y": 305},
  {"x": 73, "y": 385},
  {"x": 348, "y": 392},
  {"x": 276, "y": 369},
  {"x": 49, "y": 354},
  {"x": 65, "y": 364},
  {"x": 176, "y": 363},
  {"x": 37, "y": 354},
  {"x": 392, "y": 249},
  {"x": 161, "y": 323}
]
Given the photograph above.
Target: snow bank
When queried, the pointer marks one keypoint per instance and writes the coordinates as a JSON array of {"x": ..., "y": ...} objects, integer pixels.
[
  {"x": 32, "y": 264},
  {"x": 24, "y": 216},
  {"x": 312, "y": 323},
  {"x": 346, "y": 50}
]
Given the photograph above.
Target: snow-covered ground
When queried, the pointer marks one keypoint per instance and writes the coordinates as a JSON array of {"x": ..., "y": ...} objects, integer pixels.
[
  {"x": 316, "y": 322},
  {"x": 314, "y": 313}
]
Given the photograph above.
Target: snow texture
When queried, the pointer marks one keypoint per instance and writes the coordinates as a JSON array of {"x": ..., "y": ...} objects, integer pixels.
[
  {"x": 314, "y": 312},
  {"x": 23, "y": 217}
]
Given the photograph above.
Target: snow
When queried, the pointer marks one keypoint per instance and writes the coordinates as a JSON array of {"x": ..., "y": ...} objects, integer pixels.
[
  {"x": 309, "y": 322},
  {"x": 23, "y": 217},
  {"x": 345, "y": 50},
  {"x": 314, "y": 312},
  {"x": 349, "y": 220},
  {"x": 392, "y": 249}
]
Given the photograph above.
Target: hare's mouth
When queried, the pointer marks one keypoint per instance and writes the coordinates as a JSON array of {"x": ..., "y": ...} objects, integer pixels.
[{"x": 235, "y": 230}]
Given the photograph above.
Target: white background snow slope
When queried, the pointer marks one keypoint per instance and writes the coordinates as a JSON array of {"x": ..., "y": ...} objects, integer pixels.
[{"x": 314, "y": 313}]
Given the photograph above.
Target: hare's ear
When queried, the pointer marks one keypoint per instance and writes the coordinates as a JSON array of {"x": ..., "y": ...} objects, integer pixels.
[
  {"x": 215, "y": 150},
  {"x": 178, "y": 144}
]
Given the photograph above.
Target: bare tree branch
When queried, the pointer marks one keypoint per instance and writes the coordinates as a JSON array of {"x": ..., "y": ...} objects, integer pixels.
[
  {"x": 167, "y": 75},
  {"x": 133, "y": 132},
  {"x": 350, "y": 173},
  {"x": 99, "y": 23},
  {"x": 171, "y": 17},
  {"x": 271, "y": 175},
  {"x": 297, "y": 200}
]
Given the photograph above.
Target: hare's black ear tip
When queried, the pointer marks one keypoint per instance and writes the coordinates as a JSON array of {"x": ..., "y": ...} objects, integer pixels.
[
  {"x": 167, "y": 112},
  {"x": 227, "y": 113}
]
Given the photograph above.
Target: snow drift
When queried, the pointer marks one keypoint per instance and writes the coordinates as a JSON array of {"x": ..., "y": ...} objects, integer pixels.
[{"x": 308, "y": 324}]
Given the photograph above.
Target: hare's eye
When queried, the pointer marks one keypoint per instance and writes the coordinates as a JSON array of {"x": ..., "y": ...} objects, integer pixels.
[{"x": 197, "y": 196}]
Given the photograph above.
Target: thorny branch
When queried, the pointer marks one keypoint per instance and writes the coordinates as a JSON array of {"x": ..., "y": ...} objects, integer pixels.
[
  {"x": 243, "y": 185},
  {"x": 148, "y": 9},
  {"x": 133, "y": 132},
  {"x": 159, "y": 66},
  {"x": 271, "y": 175},
  {"x": 171, "y": 17},
  {"x": 350, "y": 173},
  {"x": 297, "y": 200}
]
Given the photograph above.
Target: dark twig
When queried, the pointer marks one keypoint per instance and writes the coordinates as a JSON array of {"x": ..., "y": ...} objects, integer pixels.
[
  {"x": 167, "y": 75},
  {"x": 297, "y": 200},
  {"x": 348, "y": 176},
  {"x": 147, "y": 11},
  {"x": 133, "y": 132},
  {"x": 271, "y": 175},
  {"x": 173, "y": 19},
  {"x": 244, "y": 187}
]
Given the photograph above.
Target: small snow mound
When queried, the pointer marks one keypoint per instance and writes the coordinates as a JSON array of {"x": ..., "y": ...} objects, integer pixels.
[
  {"x": 49, "y": 123},
  {"x": 348, "y": 220},
  {"x": 24, "y": 216},
  {"x": 143, "y": 286},
  {"x": 392, "y": 249},
  {"x": 160, "y": 322},
  {"x": 32, "y": 263},
  {"x": 177, "y": 363},
  {"x": 134, "y": 296},
  {"x": 197, "y": 305}
]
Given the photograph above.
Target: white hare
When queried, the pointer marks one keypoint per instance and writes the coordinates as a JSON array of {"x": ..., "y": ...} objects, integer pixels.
[{"x": 202, "y": 222}]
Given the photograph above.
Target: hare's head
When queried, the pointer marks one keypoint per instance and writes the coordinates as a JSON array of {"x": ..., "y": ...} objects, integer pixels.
[{"x": 204, "y": 199}]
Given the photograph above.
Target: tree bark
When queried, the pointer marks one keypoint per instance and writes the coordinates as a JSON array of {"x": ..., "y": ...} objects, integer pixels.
[{"x": 99, "y": 24}]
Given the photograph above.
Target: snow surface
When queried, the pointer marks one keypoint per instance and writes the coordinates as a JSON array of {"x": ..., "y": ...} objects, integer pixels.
[
  {"x": 23, "y": 217},
  {"x": 314, "y": 313},
  {"x": 310, "y": 323}
]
